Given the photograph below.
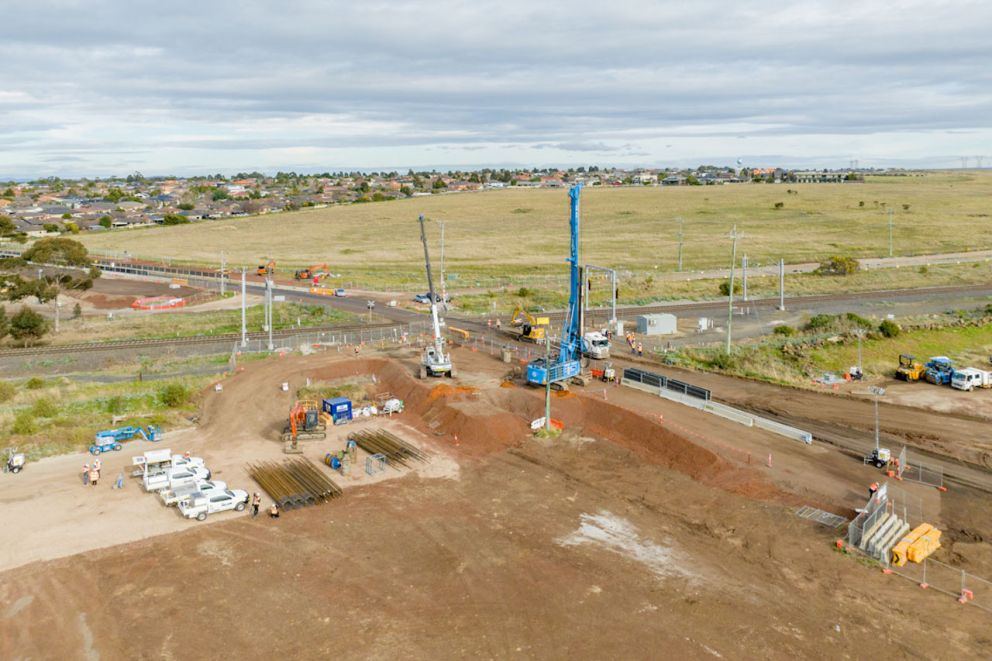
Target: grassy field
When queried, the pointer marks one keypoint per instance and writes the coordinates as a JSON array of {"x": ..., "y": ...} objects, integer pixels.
[
  {"x": 189, "y": 324},
  {"x": 516, "y": 234},
  {"x": 44, "y": 417}
]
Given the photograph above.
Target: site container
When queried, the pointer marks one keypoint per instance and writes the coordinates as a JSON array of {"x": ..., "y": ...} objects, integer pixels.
[{"x": 339, "y": 408}]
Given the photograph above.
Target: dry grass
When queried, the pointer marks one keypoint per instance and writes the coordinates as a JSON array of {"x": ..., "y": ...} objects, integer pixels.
[{"x": 519, "y": 232}]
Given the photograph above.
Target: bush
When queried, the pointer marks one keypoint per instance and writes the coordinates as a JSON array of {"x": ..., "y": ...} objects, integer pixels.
[
  {"x": 780, "y": 205},
  {"x": 45, "y": 408},
  {"x": 35, "y": 383},
  {"x": 724, "y": 361},
  {"x": 725, "y": 287},
  {"x": 115, "y": 405},
  {"x": 819, "y": 322},
  {"x": 28, "y": 326},
  {"x": 889, "y": 328},
  {"x": 524, "y": 292},
  {"x": 858, "y": 320},
  {"x": 24, "y": 423},
  {"x": 839, "y": 265},
  {"x": 7, "y": 391},
  {"x": 785, "y": 330},
  {"x": 174, "y": 395},
  {"x": 924, "y": 269}
]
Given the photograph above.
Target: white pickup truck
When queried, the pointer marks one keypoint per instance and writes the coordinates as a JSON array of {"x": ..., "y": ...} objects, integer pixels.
[
  {"x": 199, "y": 505},
  {"x": 175, "y": 496},
  {"x": 160, "y": 469}
]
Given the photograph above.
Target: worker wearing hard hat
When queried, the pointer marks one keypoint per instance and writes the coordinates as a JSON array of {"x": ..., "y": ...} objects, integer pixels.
[{"x": 872, "y": 490}]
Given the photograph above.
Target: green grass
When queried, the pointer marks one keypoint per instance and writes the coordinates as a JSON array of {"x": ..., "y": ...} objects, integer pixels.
[
  {"x": 765, "y": 360},
  {"x": 189, "y": 324},
  {"x": 63, "y": 416},
  {"x": 522, "y": 235}
]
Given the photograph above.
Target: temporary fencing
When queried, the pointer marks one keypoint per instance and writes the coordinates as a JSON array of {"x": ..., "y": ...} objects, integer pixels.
[
  {"x": 917, "y": 471},
  {"x": 381, "y": 337},
  {"x": 932, "y": 574}
]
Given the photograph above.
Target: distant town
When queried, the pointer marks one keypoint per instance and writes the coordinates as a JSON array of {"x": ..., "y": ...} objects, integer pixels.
[{"x": 53, "y": 206}]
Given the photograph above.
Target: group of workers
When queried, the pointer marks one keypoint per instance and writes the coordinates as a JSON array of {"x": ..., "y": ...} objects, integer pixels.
[
  {"x": 91, "y": 475},
  {"x": 636, "y": 348},
  {"x": 256, "y": 502}
]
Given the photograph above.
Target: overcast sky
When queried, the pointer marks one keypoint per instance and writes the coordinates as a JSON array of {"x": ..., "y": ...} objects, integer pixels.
[{"x": 101, "y": 87}]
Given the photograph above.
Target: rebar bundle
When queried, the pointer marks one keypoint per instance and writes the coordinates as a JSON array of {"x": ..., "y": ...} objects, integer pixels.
[
  {"x": 395, "y": 449},
  {"x": 294, "y": 482}
]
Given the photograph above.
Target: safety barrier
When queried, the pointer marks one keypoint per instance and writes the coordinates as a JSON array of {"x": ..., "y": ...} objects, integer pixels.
[{"x": 640, "y": 382}]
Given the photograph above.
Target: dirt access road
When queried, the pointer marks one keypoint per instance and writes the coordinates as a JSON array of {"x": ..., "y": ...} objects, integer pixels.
[{"x": 622, "y": 538}]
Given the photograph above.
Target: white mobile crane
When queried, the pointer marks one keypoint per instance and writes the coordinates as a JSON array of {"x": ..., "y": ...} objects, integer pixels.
[{"x": 434, "y": 362}]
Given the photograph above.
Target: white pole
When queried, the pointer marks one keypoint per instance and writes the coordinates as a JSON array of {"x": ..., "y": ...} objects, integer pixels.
[
  {"x": 730, "y": 298},
  {"x": 244, "y": 309},
  {"x": 781, "y": 284},
  {"x": 444, "y": 286},
  {"x": 223, "y": 273},
  {"x": 744, "y": 275}
]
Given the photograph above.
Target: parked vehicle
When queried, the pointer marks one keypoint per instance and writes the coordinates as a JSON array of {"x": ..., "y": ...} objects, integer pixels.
[
  {"x": 939, "y": 370},
  {"x": 160, "y": 469},
  {"x": 179, "y": 494},
  {"x": 200, "y": 505},
  {"x": 909, "y": 369},
  {"x": 15, "y": 461},
  {"x": 970, "y": 378},
  {"x": 340, "y": 292}
]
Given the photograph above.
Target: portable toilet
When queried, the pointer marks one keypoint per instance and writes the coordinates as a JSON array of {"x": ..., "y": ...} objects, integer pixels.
[{"x": 339, "y": 409}]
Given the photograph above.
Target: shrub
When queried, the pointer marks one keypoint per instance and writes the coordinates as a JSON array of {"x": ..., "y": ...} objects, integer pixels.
[
  {"x": 819, "y": 322},
  {"x": 35, "y": 383},
  {"x": 115, "y": 405},
  {"x": 174, "y": 395},
  {"x": 785, "y": 330},
  {"x": 723, "y": 360},
  {"x": 45, "y": 408},
  {"x": 839, "y": 265},
  {"x": 24, "y": 423},
  {"x": 7, "y": 391},
  {"x": 924, "y": 269},
  {"x": 725, "y": 287},
  {"x": 780, "y": 205},
  {"x": 858, "y": 320},
  {"x": 889, "y": 328},
  {"x": 905, "y": 207},
  {"x": 524, "y": 292}
]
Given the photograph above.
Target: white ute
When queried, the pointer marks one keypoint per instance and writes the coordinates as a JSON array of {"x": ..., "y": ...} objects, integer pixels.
[
  {"x": 160, "y": 469},
  {"x": 179, "y": 494},
  {"x": 199, "y": 505}
]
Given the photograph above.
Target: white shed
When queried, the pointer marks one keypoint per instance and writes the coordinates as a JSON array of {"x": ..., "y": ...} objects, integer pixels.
[{"x": 657, "y": 324}]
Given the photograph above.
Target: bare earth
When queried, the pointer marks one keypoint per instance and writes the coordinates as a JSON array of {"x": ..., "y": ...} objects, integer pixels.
[{"x": 643, "y": 532}]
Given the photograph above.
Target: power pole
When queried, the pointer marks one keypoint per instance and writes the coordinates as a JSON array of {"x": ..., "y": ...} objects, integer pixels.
[
  {"x": 547, "y": 385},
  {"x": 781, "y": 284},
  {"x": 890, "y": 232},
  {"x": 730, "y": 298},
  {"x": 744, "y": 275},
  {"x": 877, "y": 392},
  {"x": 268, "y": 301},
  {"x": 444, "y": 286},
  {"x": 680, "y": 243},
  {"x": 244, "y": 309},
  {"x": 223, "y": 274},
  {"x": 56, "y": 311}
]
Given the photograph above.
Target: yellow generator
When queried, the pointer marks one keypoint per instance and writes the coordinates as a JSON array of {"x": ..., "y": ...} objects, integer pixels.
[{"x": 916, "y": 545}]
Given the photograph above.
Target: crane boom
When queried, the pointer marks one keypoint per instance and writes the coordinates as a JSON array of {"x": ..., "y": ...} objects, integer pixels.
[{"x": 437, "y": 358}]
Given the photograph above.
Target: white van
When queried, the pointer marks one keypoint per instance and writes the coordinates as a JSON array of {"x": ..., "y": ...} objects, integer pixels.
[{"x": 970, "y": 378}]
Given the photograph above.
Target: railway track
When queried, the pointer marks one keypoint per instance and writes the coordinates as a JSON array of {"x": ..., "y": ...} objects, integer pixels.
[{"x": 186, "y": 341}]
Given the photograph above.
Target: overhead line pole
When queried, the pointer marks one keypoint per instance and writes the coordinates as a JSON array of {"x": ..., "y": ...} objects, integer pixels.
[
  {"x": 244, "y": 309},
  {"x": 730, "y": 298},
  {"x": 680, "y": 243}
]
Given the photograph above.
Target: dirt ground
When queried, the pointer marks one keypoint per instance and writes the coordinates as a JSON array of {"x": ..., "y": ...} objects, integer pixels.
[{"x": 647, "y": 526}]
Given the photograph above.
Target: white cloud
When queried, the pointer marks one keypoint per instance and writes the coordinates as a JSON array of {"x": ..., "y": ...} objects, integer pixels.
[{"x": 194, "y": 87}]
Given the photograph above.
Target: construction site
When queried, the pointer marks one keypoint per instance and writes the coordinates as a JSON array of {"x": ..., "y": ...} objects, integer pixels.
[{"x": 530, "y": 486}]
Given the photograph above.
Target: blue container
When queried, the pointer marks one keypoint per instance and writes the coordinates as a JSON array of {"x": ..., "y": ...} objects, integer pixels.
[{"x": 338, "y": 408}]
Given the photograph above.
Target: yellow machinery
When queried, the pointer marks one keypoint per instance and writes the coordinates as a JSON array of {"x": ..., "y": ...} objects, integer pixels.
[
  {"x": 916, "y": 545},
  {"x": 531, "y": 328},
  {"x": 909, "y": 369}
]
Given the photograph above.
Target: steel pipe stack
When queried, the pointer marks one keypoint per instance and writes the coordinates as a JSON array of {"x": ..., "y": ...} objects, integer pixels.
[
  {"x": 294, "y": 483},
  {"x": 395, "y": 449}
]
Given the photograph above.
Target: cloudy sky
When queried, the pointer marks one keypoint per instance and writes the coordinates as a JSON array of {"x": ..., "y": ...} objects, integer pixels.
[{"x": 101, "y": 87}]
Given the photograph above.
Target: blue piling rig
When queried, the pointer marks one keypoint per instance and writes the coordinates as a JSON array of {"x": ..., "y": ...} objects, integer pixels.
[{"x": 568, "y": 362}]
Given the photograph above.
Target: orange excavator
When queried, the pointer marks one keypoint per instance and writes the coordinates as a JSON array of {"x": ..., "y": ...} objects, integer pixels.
[
  {"x": 267, "y": 269},
  {"x": 304, "y": 423},
  {"x": 315, "y": 271}
]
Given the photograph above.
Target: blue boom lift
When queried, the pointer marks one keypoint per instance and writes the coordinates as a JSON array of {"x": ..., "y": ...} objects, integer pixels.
[
  {"x": 110, "y": 439},
  {"x": 568, "y": 362}
]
